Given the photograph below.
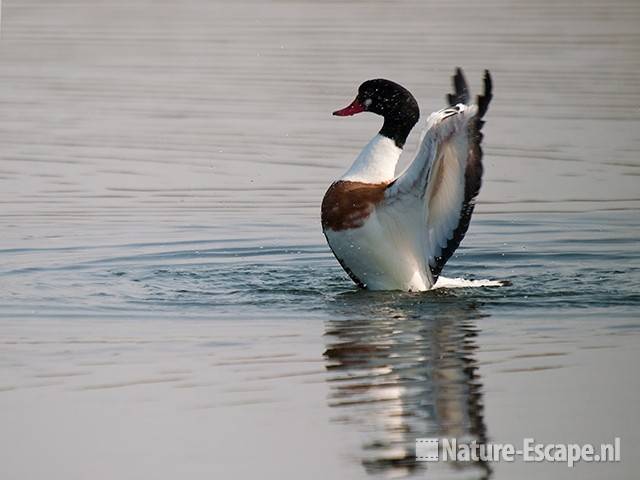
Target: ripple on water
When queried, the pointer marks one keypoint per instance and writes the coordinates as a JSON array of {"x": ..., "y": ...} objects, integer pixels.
[{"x": 565, "y": 265}]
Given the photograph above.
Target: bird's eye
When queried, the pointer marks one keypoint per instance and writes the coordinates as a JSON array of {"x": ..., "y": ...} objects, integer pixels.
[{"x": 367, "y": 103}]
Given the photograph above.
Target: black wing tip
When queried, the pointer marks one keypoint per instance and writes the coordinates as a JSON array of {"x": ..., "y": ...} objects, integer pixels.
[
  {"x": 460, "y": 89},
  {"x": 485, "y": 99}
]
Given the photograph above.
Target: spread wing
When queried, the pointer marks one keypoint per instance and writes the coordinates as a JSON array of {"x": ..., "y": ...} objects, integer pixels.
[{"x": 444, "y": 178}]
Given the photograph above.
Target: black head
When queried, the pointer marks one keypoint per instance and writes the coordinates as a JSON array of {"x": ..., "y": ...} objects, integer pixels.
[{"x": 390, "y": 100}]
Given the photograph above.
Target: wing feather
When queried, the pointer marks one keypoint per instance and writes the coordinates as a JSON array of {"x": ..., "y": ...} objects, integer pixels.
[{"x": 445, "y": 176}]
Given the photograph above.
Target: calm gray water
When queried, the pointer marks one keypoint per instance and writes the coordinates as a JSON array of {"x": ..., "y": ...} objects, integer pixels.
[{"x": 169, "y": 308}]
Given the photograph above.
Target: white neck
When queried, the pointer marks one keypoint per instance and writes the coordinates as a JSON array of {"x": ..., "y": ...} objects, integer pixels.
[{"x": 376, "y": 163}]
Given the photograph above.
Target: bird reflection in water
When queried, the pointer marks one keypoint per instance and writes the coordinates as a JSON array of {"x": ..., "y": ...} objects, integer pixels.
[{"x": 405, "y": 369}]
